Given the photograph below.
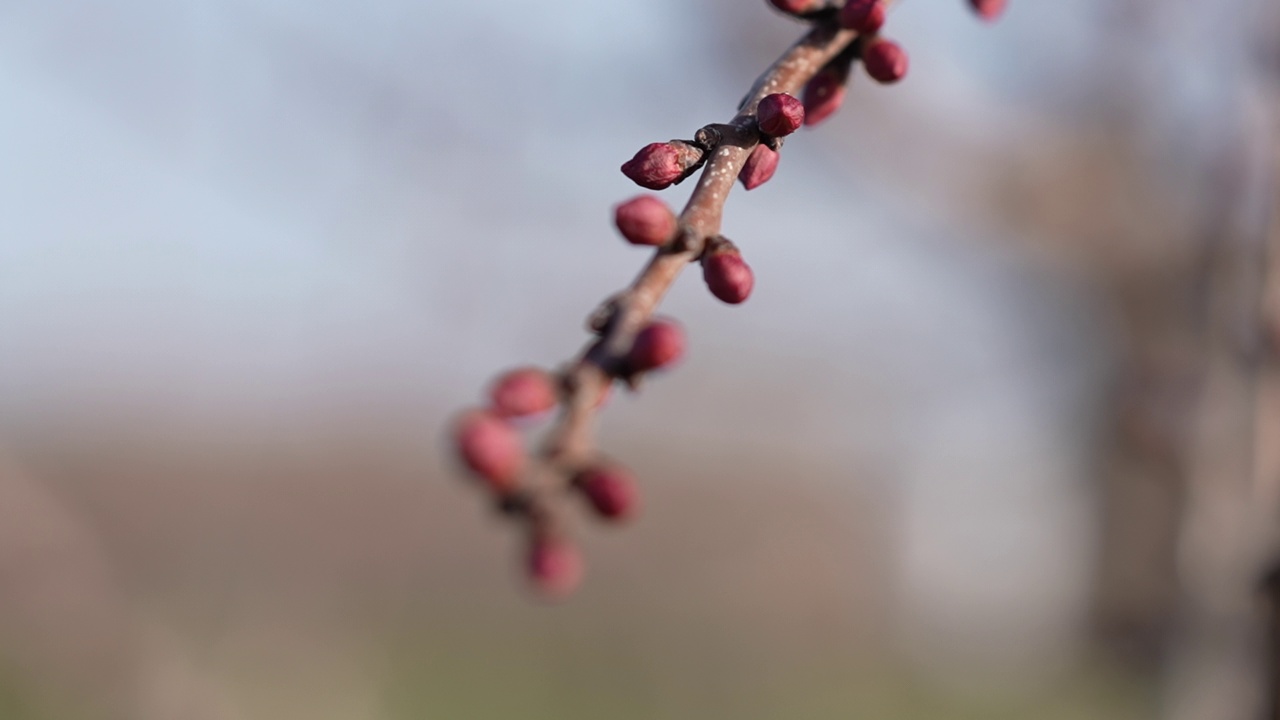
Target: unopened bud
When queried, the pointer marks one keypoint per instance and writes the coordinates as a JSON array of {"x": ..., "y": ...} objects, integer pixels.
[
  {"x": 610, "y": 489},
  {"x": 554, "y": 566},
  {"x": 645, "y": 220},
  {"x": 824, "y": 94},
  {"x": 865, "y": 16},
  {"x": 759, "y": 167},
  {"x": 658, "y": 345},
  {"x": 523, "y": 392},
  {"x": 656, "y": 166},
  {"x": 988, "y": 9},
  {"x": 779, "y": 114},
  {"x": 886, "y": 61},
  {"x": 727, "y": 275},
  {"x": 491, "y": 447}
]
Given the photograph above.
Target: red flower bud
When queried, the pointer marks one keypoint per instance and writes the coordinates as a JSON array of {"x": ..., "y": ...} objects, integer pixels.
[
  {"x": 611, "y": 491},
  {"x": 886, "y": 61},
  {"x": 656, "y": 166},
  {"x": 522, "y": 392},
  {"x": 759, "y": 167},
  {"x": 657, "y": 345},
  {"x": 779, "y": 114},
  {"x": 865, "y": 16},
  {"x": 988, "y": 9},
  {"x": 491, "y": 448},
  {"x": 824, "y": 94},
  {"x": 727, "y": 275},
  {"x": 645, "y": 220},
  {"x": 796, "y": 7},
  {"x": 554, "y": 566}
]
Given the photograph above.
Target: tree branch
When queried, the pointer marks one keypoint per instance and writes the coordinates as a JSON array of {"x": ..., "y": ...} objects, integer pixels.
[
  {"x": 586, "y": 381},
  {"x": 744, "y": 148}
]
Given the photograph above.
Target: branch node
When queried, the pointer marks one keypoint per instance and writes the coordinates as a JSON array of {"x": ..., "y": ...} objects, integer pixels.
[
  {"x": 601, "y": 319},
  {"x": 633, "y": 380},
  {"x": 517, "y": 503},
  {"x": 689, "y": 241},
  {"x": 692, "y": 156}
]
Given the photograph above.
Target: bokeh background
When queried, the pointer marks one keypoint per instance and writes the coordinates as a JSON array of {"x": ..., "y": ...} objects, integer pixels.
[{"x": 986, "y": 442}]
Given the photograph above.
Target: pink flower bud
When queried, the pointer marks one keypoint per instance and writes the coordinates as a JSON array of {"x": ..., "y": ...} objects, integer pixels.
[
  {"x": 658, "y": 345},
  {"x": 611, "y": 491},
  {"x": 727, "y": 275},
  {"x": 824, "y": 94},
  {"x": 886, "y": 61},
  {"x": 988, "y": 9},
  {"x": 779, "y": 114},
  {"x": 554, "y": 566},
  {"x": 865, "y": 16},
  {"x": 759, "y": 167},
  {"x": 796, "y": 7},
  {"x": 491, "y": 448},
  {"x": 523, "y": 392},
  {"x": 656, "y": 166},
  {"x": 645, "y": 220}
]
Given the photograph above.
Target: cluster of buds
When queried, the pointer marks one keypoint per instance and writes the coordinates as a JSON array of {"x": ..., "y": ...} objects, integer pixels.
[
  {"x": 490, "y": 444},
  {"x": 630, "y": 342},
  {"x": 884, "y": 60},
  {"x": 646, "y": 220}
]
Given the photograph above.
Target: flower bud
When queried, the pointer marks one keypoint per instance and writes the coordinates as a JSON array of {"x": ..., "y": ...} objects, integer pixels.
[
  {"x": 554, "y": 566},
  {"x": 523, "y": 392},
  {"x": 610, "y": 489},
  {"x": 796, "y": 7},
  {"x": 824, "y": 94},
  {"x": 759, "y": 167},
  {"x": 865, "y": 16},
  {"x": 727, "y": 275},
  {"x": 886, "y": 61},
  {"x": 656, "y": 166},
  {"x": 645, "y": 220},
  {"x": 988, "y": 9},
  {"x": 491, "y": 448},
  {"x": 658, "y": 345},
  {"x": 779, "y": 114}
]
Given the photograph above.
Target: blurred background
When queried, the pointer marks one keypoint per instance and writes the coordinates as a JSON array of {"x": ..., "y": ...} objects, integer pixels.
[{"x": 994, "y": 438}]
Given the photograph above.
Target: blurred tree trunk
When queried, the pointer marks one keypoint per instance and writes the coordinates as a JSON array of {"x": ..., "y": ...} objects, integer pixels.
[
  {"x": 1223, "y": 664},
  {"x": 1266, "y": 471},
  {"x": 1189, "y": 572},
  {"x": 1214, "y": 669}
]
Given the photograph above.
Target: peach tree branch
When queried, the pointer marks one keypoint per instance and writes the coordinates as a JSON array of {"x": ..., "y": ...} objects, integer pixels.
[{"x": 629, "y": 342}]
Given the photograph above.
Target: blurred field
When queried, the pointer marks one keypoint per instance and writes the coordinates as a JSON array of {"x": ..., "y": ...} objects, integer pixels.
[{"x": 332, "y": 569}]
